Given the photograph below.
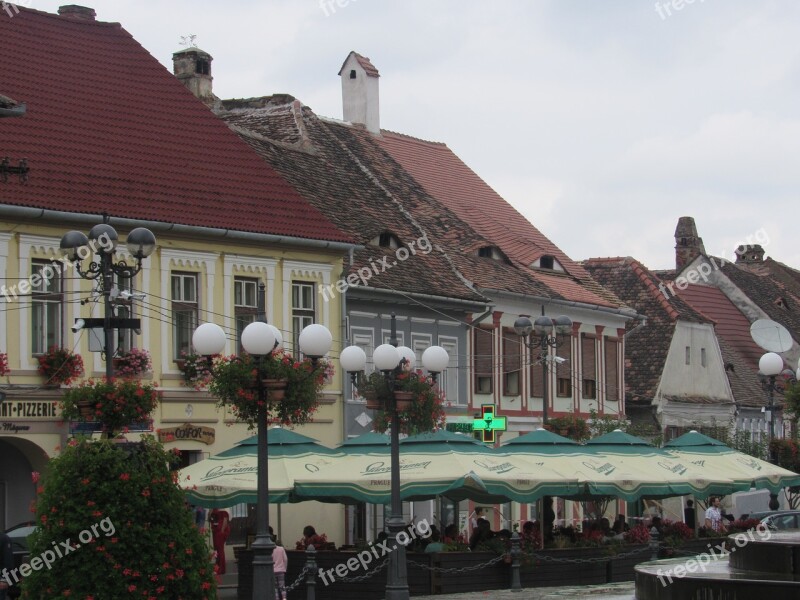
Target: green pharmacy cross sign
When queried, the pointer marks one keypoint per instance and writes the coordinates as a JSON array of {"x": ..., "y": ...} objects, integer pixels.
[{"x": 488, "y": 423}]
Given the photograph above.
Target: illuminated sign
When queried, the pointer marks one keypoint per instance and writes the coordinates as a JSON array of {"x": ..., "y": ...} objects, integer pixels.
[{"x": 488, "y": 423}]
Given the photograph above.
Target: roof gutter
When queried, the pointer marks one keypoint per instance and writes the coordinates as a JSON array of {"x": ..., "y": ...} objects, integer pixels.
[
  {"x": 627, "y": 313},
  {"x": 24, "y": 212}
]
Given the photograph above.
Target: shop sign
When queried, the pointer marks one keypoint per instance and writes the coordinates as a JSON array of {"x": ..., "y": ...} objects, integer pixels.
[
  {"x": 28, "y": 409},
  {"x": 187, "y": 432}
]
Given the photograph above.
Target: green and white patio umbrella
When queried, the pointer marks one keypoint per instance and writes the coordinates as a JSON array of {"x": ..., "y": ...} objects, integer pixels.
[
  {"x": 712, "y": 456},
  {"x": 635, "y": 469},
  {"x": 435, "y": 464},
  {"x": 230, "y": 477},
  {"x": 616, "y": 464}
]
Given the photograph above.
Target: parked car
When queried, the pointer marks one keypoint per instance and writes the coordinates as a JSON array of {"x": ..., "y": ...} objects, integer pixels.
[
  {"x": 779, "y": 519},
  {"x": 19, "y": 545}
]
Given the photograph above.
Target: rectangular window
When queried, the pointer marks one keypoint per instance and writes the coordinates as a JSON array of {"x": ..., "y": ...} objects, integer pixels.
[
  {"x": 688, "y": 355},
  {"x": 564, "y": 370},
  {"x": 363, "y": 339},
  {"x": 303, "y": 311},
  {"x": 703, "y": 357},
  {"x": 589, "y": 366},
  {"x": 245, "y": 305},
  {"x": 184, "y": 312},
  {"x": 47, "y": 306},
  {"x": 537, "y": 374},
  {"x": 612, "y": 370},
  {"x": 124, "y": 309},
  {"x": 512, "y": 362},
  {"x": 484, "y": 359},
  {"x": 448, "y": 379}
]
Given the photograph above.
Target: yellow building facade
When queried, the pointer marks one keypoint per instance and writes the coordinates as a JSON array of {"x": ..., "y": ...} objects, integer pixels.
[{"x": 185, "y": 282}]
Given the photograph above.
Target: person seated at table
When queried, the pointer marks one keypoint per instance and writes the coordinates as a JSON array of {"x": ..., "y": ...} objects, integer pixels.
[
  {"x": 620, "y": 525},
  {"x": 435, "y": 544},
  {"x": 451, "y": 533},
  {"x": 483, "y": 532}
]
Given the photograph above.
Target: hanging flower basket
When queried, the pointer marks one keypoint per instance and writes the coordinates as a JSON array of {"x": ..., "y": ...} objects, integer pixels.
[
  {"x": 132, "y": 363},
  {"x": 60, "y": 365},
  {"x": 371, "y": 396},
  {"x": 4, "y": 370},
  {"x": 115, "y": 404},
  {"x": 424, "y": 411},
  {"x": 234, "y": 382}
]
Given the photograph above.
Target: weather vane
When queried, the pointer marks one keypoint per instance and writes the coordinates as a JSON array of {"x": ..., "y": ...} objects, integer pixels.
[{"x": 189, "y": 40}]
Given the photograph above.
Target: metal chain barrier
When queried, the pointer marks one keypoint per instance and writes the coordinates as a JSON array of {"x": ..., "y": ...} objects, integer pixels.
[
  {"x": 593, "y": 559},
  {"x": 375, "y": 570},
  {"x": 457, "y": 569},
  {"x": 298, "y": 581}
]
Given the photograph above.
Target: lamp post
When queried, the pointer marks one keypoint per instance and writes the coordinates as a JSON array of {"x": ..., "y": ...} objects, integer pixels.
[
  {"x": 770, "y": 365},
  {"x": 547, "y": 334},
  {"x": 102, "y": 241},
  {"x": 259, "y": 339},
  {"x": 391, "y": 360}
]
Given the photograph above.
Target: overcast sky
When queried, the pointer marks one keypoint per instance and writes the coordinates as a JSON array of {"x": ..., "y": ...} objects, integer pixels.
[{"x": 601, "y": 122}]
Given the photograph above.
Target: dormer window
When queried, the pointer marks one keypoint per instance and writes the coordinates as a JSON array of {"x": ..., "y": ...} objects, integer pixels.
[
  {"x": 781, "y": 303},
  {"x": 549, "y": 262},
  {"x": 387, "y": 240},
  {"x": 492, "y": 252}
]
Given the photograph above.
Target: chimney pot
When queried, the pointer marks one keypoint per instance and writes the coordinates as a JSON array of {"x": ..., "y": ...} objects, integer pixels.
[{"x": 77, "y": 13}]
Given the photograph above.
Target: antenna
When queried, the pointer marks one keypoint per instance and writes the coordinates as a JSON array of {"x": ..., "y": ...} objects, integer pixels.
[{"x": 771, "y": 336}]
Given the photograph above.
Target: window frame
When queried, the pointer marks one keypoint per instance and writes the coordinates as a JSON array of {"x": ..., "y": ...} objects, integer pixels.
[
  {"x": 44, "y": 300},
  {"x": 480, "y": 374},
  {"x": 185, "y": 307},
  {"x": 301, "y": 314},
  {"x": 243, "y": 313}
]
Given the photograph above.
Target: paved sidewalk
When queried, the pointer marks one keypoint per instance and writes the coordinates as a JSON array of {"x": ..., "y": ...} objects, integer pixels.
[{"x": 617, "y": 591}]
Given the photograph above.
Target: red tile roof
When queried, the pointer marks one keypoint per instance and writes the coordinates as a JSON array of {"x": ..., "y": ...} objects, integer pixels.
[
  {"x": 108, "y": 129},
  {"x": 365, "y": 63},
  {"x": 448, "y": 179},
  {"x": 730, "y": 323}
]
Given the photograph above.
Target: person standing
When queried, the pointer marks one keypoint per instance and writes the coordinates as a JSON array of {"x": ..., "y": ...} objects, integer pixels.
[
  {"x": 220, "y": 529},
  {"x": 6, "y": 563},
  {"x": 689, "y": 515},
  {"x": 714, "y": 516},
  {"x": 280, "y": 564}
]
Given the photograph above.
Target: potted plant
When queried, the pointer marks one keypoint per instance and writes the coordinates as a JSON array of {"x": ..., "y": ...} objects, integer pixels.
[
  {"x": 114, "y": 404},
  {"x": 375, "y": 390},
  {"x": 424, "y": 411},
  {"x": 570, "y": 426},
  {"x": 292, "y": 387},
  {"x": 4, "y": 370},
  {"x": 132, "y": 363},
  {"x": 60, "y": 365}
]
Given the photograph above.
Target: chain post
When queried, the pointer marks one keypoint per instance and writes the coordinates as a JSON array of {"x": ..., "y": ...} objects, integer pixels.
[
  {"x": 516, "y": 585},
  {"x": 311, "y": 572},
  {"x": 655, "y": 545}
]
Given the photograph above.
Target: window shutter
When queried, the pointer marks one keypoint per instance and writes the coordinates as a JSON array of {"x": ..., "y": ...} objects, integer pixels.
[
  {"x": 589, "y": 362},
  {"x": 484, "y": 355},
  {"x": 512, "y": 359},
  {"x": 537, "y": 382}
]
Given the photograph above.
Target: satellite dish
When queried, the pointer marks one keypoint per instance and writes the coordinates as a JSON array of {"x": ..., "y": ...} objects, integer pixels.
[{"x": 771, "y": 336}]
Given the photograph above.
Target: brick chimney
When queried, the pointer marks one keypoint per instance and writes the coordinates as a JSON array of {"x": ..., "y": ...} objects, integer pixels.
[
  {"x": 77, "y": 13},
  {"x": 750, "y": 255},
  {"x": 192, "y": 67},
  {"x": 360, "y": 92},
  {"x": 688, "y": 245}
]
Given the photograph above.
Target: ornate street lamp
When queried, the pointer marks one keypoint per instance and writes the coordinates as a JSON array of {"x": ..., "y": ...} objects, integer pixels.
[
  {"x": 544, "y": 333},
  {"x": 102, "y": 242},
  {"x": 259, "y": 339},
  {"x": 391, "y": 361}
]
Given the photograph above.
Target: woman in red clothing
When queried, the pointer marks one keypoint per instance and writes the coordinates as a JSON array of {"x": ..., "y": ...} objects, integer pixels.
[{"x": 220, "y": 528}]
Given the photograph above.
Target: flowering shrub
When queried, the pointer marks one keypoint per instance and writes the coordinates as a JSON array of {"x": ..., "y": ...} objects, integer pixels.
[
  {"x": 744, "y": 525},
  {"x": 675, "y": 533},
  {"x": 132, "y": 363},
  {"x": 146, "y": 544},
  {"x": 60, "y": 365},
  {"x": 4, "y": 370},
  {"x": 319, "y": 541},
  {"x": 638, "y": 534},
  {"x": 570, "y": 426},
  {"x": 455, "y": 544},
  {"x": 426, "y": 412},
  {"x": 234, "y": 382},
  {"x": 115, "y": 404}
]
